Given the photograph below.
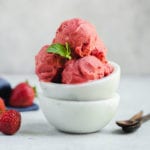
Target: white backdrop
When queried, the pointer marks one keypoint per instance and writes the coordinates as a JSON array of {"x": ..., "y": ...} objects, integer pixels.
[{"x": 26, "y": 25}]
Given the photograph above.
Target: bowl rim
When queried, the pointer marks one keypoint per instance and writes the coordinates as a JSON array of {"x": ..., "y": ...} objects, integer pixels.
[{"x": 116, "y": 70}]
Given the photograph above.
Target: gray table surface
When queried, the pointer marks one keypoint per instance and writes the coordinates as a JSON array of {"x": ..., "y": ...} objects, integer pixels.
[{"x": 37, "y": 134}]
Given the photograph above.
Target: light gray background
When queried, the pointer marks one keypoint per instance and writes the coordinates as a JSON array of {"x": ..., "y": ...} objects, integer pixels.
[{"x": 26, "y": 25}]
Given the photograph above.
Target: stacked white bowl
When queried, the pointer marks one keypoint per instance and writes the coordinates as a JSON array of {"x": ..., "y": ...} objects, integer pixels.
[{"x": 81, "y": 108}]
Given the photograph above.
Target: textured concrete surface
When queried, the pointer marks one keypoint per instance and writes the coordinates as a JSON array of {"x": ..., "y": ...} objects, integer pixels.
[
  {"x": 36, "y": 134},
  {"x": 26, "y": 25}
]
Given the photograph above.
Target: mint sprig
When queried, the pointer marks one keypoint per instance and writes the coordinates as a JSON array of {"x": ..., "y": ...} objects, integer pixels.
[{"x": 62, "y": 50}]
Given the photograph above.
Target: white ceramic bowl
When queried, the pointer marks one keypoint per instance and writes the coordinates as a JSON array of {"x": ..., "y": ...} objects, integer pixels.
[
  {"x": 79, "y": 116},
  {"x": 98, "y": 89}
]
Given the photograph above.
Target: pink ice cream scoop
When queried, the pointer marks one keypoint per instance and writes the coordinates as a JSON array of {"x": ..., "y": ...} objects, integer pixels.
[
  {"x": 48, "y": 65},
  {"x": 82, "y": 38},
  {"x": 87, "y": 51},
  {"x": 83, "y": 70}
]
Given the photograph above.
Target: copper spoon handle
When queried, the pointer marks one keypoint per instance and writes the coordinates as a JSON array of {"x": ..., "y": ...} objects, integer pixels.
[
  {"x": 137, "y": 116},
  {"x": 145, "y": 118}
]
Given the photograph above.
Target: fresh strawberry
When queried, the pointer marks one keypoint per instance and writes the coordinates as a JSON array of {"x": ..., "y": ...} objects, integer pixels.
[
  {"x": 10, "y": 122},
  {"x": 22, "y": 95},
  {"x": 2, "y": 106}
]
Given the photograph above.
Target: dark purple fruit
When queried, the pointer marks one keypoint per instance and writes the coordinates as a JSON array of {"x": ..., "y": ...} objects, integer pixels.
[{"x": 5, "y": 90}]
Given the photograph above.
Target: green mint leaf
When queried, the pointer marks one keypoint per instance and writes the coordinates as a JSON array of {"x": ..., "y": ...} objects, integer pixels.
[
  {"x": 62, "y": 50},
  {"x": 68, "y": 50}
]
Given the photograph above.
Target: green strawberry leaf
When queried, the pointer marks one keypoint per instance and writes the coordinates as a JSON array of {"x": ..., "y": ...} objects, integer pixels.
[
  {"x": 33, "y": 87},
  {"x": 62, "y": 50}
]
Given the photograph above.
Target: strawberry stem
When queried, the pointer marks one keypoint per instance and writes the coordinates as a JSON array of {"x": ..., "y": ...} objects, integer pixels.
[
  {"x": 35, "y": 91},
  {"x": 27, "y": 81}
]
